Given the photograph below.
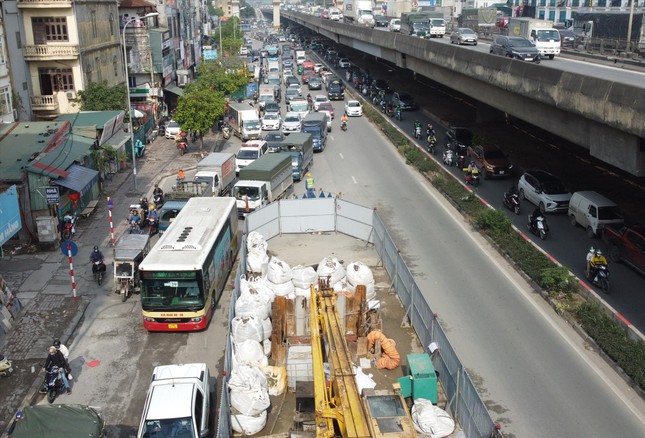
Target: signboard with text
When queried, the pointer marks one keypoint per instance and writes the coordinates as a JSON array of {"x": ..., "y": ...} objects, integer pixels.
[
  {"x": 52, "y": 195},
  {"x": 10, "y": 222}
]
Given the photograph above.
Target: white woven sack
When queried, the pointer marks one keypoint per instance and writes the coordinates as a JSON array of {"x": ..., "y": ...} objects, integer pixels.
[
  {"x": 359, "y": 273},
  {"x": 266, "y": 345},
  {"x": 331, "y": 268},
  {"x": 370, "y": 290},
  {"x": 255, "y": 241},
  {"x": 257, "y": 261},
  {"x": 303, "y": 276},
  {"x": 302, "y": 292},
  {"x": 279, "y": 271},
  {"x": 249, "y": 393},
  {"x": 253, "y": 303},
  {"x": 258, "y": 284},
  {"x": 250, "y": 353},
  {"x": 341, "y": 285},
  {"x": 247, "y": 327},
  {"x": 248, "y": 425},
  {"x": 281, "y": 290},
  {"x": 431, "y": 420},
  {"x": 267, "y": 328}
]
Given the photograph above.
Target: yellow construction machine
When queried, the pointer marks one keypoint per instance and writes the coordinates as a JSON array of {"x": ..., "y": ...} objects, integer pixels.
[{"x": 341, "y": 411}]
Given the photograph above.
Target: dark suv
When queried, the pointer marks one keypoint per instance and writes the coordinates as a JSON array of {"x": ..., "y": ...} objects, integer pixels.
[{"x": 515, "y": 47}]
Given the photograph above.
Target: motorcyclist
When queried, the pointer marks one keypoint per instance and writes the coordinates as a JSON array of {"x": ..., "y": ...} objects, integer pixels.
[
  {"x": 397, "y": 111},
  {"x": 534, "y": 216},
  {"x": 56, "y": 358},
  {"x": 157, "y": 195},
  {"x": 343, "y": 120},
  {"x": 597, "y": 260},
  {"x": 153, "y": 217},
  {"x": 310, "y": 101},
  {"x": 430, "y": 130},
  {"x": 96, "y": 256},
  {"x": 134, "y": 217},
  {"x": 181, "y": 177},
  {"x": 143, "y": 204}
]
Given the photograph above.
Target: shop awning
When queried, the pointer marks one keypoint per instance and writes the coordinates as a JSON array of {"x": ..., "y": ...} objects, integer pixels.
[
  {"x": 79, "y": 179},
  {"x": 118, "y": 140},
  {"x": 174, "y": 90}
]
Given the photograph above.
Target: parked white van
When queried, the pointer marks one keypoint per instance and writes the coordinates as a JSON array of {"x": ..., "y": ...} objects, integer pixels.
[
  {"x": 178, "y": 402},
  {"x": 593, "y": 211}
]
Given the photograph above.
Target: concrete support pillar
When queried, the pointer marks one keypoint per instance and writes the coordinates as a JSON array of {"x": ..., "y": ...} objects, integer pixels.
[
  {"x": 276, "y": 14},
  {"x": 486, "y": 113}
]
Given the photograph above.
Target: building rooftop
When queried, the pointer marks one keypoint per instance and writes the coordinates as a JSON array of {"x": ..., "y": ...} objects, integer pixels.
[
  {"x": 55, "y": 162},
  {"x": 21, "y": 142}
]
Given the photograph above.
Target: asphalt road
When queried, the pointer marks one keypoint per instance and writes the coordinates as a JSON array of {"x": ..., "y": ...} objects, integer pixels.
[{"x": 534, "y": 372}]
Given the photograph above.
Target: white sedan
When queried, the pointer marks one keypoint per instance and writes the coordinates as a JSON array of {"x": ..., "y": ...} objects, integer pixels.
[
  {"x": 320, "y": 98},
  {"x": 271, "y": 122},
  {"x": 353, "y": 108},
  {"x": 318, "y": 67}
]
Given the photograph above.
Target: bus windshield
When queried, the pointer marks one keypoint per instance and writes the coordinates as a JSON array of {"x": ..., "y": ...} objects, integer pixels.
[{"x": 181, "y": 291}]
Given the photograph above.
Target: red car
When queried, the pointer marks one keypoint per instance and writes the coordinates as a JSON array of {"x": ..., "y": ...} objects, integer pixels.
[{"x": 325, "y": 14}]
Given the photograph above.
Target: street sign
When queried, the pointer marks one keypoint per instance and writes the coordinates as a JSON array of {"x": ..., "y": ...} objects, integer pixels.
[
  {"x": 52, "y": 195},
  {"x": 72, "y": 247}
]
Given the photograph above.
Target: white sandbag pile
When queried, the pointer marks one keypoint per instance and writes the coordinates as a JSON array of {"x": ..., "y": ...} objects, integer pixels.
[
  {"x": 431, "y": 420},
  {"x": 358, "y": 273},
  {"x": 331, "y": 268},
  {"x": 248, "y": 425},
  {"x": 249, "y": 391},
  {"x": 252, "y": 301},
  {"x": 257, "y": 258},
  {"x": 303, "y": 276},
  {"x": 278, "y": 278},
  {"x": 250, "y": 353},
  {"x": 248, "y": 327}
]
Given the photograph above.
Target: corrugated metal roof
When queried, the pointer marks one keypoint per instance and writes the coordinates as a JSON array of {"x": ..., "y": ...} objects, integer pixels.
[
  {"x": 19, "y": 142},
  {"x": 55, "y": 162},
  {"x": 89, "y": 118},
  {"x": 79, "y": 178}
]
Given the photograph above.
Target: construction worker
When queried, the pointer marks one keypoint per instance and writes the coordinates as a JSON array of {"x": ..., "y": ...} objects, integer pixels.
[{"x": 309, "y": 184}]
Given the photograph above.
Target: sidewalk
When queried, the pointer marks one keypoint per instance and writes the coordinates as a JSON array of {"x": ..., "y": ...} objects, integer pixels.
[{"x": 42, "y": 280}]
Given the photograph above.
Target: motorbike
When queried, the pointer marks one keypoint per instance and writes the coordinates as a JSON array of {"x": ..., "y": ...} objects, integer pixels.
[
  {"x": 389, "y": 110},
  {"x": 432, "y": 144},
  {"x": 153, "y": 225},
  {"x": 417, "y": 132},
  {"x": 539, "y": 227},
  {"x": 98, "y": 270},
  {"x": 69, "y": 226},
  {"x": 6, "y": 368},
  {"x": 472, "y": 176},
  {"x": 448, "y": 158},
  {"x": 139, "y": 148},
  {"x": 182, "y": 145},
  {"x": 226, "y": 132},
  {"x": 158, "y": 201},
  {"x": 397, "y": 113},
  {"x": 343, "y": 125},
  {"x": 601, "y": 277},
  {"x": 383, "y": 106},
  {"x": 512, "y": 201},
  {"x": 135, "y": 228},
  {"x": 53, "y": 384}
]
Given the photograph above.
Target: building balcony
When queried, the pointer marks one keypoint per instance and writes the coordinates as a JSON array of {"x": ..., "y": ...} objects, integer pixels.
[
  {"x": 46, "y": 52},
  {"x": 44, "y": 4},
  {"x": 44, "y": 103}
]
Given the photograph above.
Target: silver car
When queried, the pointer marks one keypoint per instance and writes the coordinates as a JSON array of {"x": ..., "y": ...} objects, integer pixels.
[
  {"x": 544, "y": 190},
  {"x": 463, "y": 35},
  {"x": 292, "y": 123}
]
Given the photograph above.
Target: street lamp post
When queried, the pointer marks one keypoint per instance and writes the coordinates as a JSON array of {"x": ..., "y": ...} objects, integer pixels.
[{"x": 127, "y": 92}]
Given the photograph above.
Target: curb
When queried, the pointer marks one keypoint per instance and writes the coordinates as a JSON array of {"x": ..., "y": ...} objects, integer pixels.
[{"x": 33, "y": 393}]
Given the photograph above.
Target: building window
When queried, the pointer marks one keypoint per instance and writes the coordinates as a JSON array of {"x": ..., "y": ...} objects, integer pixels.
[
  {"x": 5, "y": 100},
  {"x": 115, "y": 64},
  {"x": 49, "y": 29},
  {"x": 112, "y": 24},
  {"x": 2, "y": 60},
  {"x": 97, "y": 63},
  {"x": 93, "y": 19},
  {"x": 55, "y": 79}
]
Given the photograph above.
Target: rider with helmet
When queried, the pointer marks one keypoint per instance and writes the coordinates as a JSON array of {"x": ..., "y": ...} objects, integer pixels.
[
  {"x": 96, "y": 256},
  {"x": 596, "y": 260},
  {"x": 430, "y": 130}
]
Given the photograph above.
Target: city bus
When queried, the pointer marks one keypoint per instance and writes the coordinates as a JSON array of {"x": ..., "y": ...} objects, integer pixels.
[{"x": 184, "y": 274}]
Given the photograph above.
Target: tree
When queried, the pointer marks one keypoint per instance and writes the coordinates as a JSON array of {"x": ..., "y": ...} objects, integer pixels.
[
  {"x": 98, "y": 96},
  {"x": 248, "y": 11},
  {"x": 218, "y": 77},
  {"x": 198, "y": 109}
]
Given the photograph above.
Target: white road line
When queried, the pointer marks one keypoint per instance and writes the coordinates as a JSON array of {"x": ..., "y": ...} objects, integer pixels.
[
  {"x": 341, "y": 156},
  {"x": 354, "y": 179}
]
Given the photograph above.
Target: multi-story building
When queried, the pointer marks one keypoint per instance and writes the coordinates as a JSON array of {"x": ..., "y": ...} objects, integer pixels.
[
  {"x": 7, "y": 113},
  {"x": 58, "y": 47},
  {"x": 562, "y": 10}
]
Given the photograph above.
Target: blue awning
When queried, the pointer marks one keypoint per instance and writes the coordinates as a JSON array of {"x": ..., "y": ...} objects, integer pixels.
[{"x": 80, "y": 179}]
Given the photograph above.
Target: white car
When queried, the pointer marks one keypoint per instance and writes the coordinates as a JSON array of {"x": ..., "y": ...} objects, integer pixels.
[
  {"x": 344, "y": 63},
  {"x": 326, "y": 75},
  {"x": 172, "y": 129},
  {"x": 296, "y": 87},
  {"x": 286, "y": 73},
  {"x": 320, "y": 98},
  {"x": 395, "y": 25},
  {"x": 292, "y": 123},
  {"x": 335, "y": 15},
  {"x": 353, "y": 108},
  {"x": 271, "y": 122},
  {"x": 318, "y": 67}
]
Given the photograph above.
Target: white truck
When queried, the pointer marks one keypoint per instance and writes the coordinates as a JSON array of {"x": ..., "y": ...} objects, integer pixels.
[
  {"x": 244, "y": 121},
  {"x": 539, "y": 32},
  {"x": 178, "y": 402},
  {"x": 360, "y": 12},
  {"x": 437, "y": 24},
  {"x": 266, "y": 180},
  {"x": 301, "y": 57},
  {"x": 218, "y": 171}
]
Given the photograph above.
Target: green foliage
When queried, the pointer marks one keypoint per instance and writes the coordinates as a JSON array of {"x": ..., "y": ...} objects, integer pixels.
[
  {"x": 612, "y": 339},
  {"x": 212, "y": 10},
  {"x": 248, "y": 11},
  {"x": 198, "y": 109},
  {"x": 98, "y": 96},
  {"x": 558, "y": 279},
  {"x": 493, "y": 220},
  {"x": 213, "y": 75}
]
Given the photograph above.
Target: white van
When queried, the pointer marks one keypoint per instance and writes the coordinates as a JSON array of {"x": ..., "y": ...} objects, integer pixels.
[
  {"x": 249, "y": 152},
  {"x": 178, "y": 402},
  {"x": 593, "y": 211}
]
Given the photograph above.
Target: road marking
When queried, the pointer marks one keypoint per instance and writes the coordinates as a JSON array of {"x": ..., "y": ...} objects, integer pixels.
[
  {"x": 354, "y": 179},
  {"x": 341, "y": 156},
  {"x": 547, "y": 316},
  {"x": 332, "y": 137}
]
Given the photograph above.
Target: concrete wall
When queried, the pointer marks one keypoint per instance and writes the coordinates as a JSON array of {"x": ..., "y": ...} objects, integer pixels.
[{"x": 601, "y": 115}]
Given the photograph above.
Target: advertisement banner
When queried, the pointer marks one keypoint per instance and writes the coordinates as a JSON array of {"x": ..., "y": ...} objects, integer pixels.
[{"x": 10, "y": 222}]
